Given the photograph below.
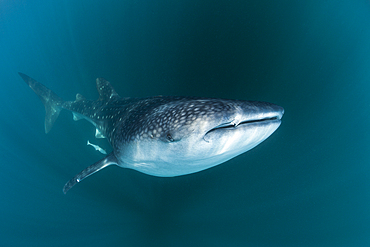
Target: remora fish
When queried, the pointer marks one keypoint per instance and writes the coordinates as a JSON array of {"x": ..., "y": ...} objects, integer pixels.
[
  {"x": 97, "y": 148},
  {"x": 164, "y": 136}
]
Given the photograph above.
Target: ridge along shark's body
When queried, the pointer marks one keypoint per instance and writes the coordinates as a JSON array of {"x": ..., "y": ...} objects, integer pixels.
[{"x": 164, "y": 136}]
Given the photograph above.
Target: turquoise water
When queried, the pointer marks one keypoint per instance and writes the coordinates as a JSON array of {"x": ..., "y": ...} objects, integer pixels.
[{"x": 306, "y": 185}]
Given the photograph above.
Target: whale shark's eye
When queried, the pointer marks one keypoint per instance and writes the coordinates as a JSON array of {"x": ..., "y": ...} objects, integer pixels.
[{"x": 169, "y": 138}]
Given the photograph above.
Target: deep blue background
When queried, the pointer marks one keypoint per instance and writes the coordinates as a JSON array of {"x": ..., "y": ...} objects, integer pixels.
[{"x": 307, "y": 185}]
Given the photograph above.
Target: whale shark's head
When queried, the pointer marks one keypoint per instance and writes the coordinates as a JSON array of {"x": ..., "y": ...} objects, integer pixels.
[{"x": 189, "y": 135}]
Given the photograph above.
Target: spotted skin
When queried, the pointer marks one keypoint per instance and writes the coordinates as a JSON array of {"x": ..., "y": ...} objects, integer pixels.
[{"x": 165, "y": 135}]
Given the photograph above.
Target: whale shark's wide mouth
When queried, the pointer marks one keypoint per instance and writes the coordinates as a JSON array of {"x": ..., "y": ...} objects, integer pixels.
[{"x": 233, "y": 125}]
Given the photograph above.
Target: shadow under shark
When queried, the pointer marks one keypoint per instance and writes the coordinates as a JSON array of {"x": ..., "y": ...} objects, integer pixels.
[{"x": 164, "y": 136}]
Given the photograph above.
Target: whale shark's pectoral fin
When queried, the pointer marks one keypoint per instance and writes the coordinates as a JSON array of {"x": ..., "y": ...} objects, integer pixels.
[{"x": 107, "y": 161}]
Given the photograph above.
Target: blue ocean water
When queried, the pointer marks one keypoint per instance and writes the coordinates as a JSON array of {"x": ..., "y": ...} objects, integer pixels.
[{"x": 306, "y": 185}]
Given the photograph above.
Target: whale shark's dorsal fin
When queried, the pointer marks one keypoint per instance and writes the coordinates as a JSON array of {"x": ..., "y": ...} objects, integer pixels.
[
  {"x": 105, "y": 89},
  {"x": 110, "y": 159},
  {"x": 79, "y": 97}
]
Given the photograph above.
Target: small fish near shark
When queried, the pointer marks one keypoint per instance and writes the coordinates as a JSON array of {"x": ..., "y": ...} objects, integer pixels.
[
  {"x": 164, "y": 136},
  {"x": 97, "y": 148}
]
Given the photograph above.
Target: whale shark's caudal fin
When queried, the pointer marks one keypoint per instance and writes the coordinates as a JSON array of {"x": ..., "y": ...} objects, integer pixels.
[{"x": 52, "y": 102}]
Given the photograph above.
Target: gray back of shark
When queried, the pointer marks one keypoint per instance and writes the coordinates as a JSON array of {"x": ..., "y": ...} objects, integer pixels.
[{"x": 164, "y": 136}]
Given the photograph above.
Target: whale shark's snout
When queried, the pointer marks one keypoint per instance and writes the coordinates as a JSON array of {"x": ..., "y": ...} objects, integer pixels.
[
  {"x": 250, "y": 114},
  {"x": 247, "y": 126}
]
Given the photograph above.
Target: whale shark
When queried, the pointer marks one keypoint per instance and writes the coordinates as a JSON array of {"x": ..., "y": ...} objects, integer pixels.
[{"x": 164, "y": 136}]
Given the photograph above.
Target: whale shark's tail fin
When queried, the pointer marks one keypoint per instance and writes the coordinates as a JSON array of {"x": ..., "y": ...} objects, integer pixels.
[{"x": 52, "y": 102}]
